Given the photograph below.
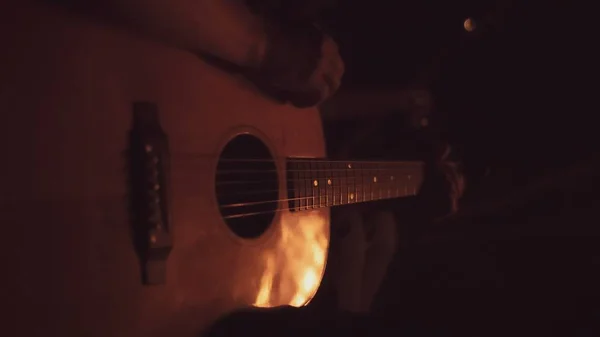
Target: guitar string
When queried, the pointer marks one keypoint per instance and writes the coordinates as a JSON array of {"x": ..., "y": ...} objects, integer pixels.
[
  {"x": 356, "y": 188},
  {"x": 318, "y": 179},
  {"x": 298, "y": 209},
  {"x": 352, "y": 183},
  {"x": 332, "y": 186},
  {"x": 324, "y": 195},
  {"x": 182, "y": 155},
  {"x": 308, "y": 184},
  {"x": 362, "y": 169},
  {"x": 356, "y": 195},
  {"x": 307, "y": 207},
  {"x": 243, "y": 215}
]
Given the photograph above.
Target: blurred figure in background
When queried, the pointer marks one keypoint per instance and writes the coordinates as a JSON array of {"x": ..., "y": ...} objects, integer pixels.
[{"x": 365, "y": 239}]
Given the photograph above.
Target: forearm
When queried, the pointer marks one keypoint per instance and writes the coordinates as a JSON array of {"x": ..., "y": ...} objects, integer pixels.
[{"x": 225, "y": 29}]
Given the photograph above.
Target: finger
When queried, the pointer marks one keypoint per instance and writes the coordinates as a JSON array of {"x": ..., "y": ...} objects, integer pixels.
[
  {"x": 446, "y": 152},
  {"x": 338, "y": 67},
  {"x": 332, "y": 85},
  {"x": 454, "y": 205},
  {"x": 456, "y": 181},
  {"x": 333, "y": 60},
  {"x": 332, "y": 78},
  {"x": 459, "y": 187}
]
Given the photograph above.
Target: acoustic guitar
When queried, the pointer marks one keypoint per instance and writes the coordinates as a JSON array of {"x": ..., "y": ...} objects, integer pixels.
[{"x": 144, "y": 192}]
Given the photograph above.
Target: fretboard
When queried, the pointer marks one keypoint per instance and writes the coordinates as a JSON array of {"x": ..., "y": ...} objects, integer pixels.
[{"x": 322, "y": 183}]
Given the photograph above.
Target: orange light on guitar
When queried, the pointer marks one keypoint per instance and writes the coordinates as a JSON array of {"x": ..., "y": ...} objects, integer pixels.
[{"x": 294, "y": 269}]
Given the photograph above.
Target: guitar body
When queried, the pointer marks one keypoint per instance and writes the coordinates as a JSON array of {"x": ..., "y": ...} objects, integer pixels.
[{"x": 67, "y": 91}]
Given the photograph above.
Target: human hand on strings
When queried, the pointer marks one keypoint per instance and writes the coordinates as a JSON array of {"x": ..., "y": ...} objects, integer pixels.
[
  {"x": 453, "y": 175},
  {"x": 444, "y": 184}
]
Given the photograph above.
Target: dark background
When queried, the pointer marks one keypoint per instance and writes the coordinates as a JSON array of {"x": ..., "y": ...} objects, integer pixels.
[
  {"x": 511, "y": 94},
  {"x": 515, "y": 97}
]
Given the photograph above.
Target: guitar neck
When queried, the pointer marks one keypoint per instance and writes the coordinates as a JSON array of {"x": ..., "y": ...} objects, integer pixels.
[{"x": 322, "y": 183}]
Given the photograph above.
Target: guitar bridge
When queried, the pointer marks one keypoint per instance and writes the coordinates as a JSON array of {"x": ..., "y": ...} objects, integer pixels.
[{"x": 149, "y": 164}]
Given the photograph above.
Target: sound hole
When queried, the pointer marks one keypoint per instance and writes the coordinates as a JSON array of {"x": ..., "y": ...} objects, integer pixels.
[{"x": 247, "y": 186}]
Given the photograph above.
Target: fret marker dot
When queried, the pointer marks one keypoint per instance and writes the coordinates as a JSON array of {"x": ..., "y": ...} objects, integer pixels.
[
  {"x": 349, "y": 165},
  {"x": 316, "y": 183},
  {"x": 351, "y": 196},
  {"x": 374, "y": 179},
  {"x": 328, "y": 181}
]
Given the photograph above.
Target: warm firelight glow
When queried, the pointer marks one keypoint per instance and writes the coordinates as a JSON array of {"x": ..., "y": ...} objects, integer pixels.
[{"x": 293, "y": 270}]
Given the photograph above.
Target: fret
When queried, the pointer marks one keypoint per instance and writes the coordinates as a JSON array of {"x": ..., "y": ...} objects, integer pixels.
[
  {"x": 326, "y": 182},
  {"x": 358, "y": 182},
  {"x": 398, "y": 181},
  {"x": 377, "y": 184},
  {"x": 306, "y": 183},
  {"x": 405, "y": 180},
  {"x": 315, "y": 184},
  {"x": 324, "y": 178},
  {"x": 385, "y": 179},
  {"x": 366, "y": 182},
  {"x": 371, "y": 173},
  {"x": 321, "y": 179},
  {"x": 290, "y": 176},
  {"x": 374, "y": 183},
  {"x": 355, "y": 180},
  {"x": 323, "y": 183},
  {"x": 380, "y": 180},
  {"x": 411, "y": 186},
  {"x": 293, "y": 182},
  {"x": 321, "y": 176},
  {"x": 335, "y": 182},
  {"x": 302, "y": 169},
  {"x": 394, "y": 178},
  {"x": 298, "y": 187},
  {"x": 314, "y": 190},
  {"x": 302, "y": 184},
  {"x": 331, "y": 183},
  {"x": 299, "y": 184},
  {"x": 343, "y": 183},
  {"x": 390, "y": 181},
  {"x": 385, "y": 186},
  {"x": 374, "y": 171},
  {"x": 351, "y": 177}
]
